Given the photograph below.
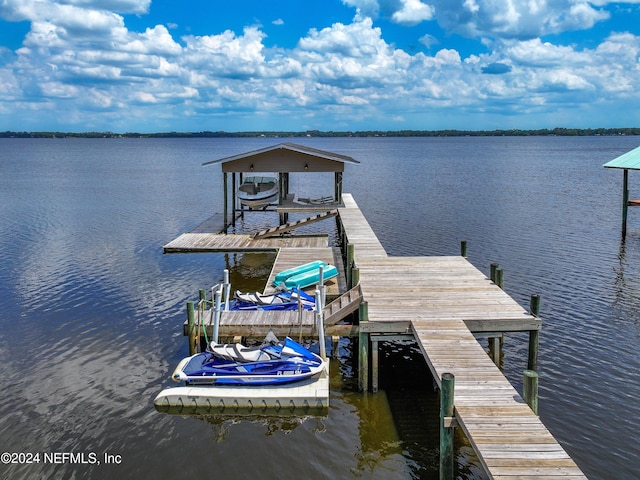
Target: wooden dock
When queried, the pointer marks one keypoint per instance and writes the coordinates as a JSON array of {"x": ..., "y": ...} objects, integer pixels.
[
  {"x": 219, "y": 242},
  {"x": 442, "y": 303},
  {"x": 441, "y": 300},
  {"x": 509, "y": 439}
]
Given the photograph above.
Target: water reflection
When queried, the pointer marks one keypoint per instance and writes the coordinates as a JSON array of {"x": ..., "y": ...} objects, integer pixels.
[
  {"x": 626, "y": 302},
  {"x": 271, "y": 421}
]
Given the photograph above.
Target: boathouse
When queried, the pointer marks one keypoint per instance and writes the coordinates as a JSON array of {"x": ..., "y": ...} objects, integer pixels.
[{"x": 284, "y": 159}]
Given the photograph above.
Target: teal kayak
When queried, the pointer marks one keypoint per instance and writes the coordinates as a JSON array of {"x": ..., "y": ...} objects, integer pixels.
[
  {"x": 282, "y": 276},
  {"x": 310, "y": 277}
]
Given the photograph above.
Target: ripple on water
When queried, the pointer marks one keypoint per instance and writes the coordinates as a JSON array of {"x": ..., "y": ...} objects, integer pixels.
[{"x": 92, "y": 311}]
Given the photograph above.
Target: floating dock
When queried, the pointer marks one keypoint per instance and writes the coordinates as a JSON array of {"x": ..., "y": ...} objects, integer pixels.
[
  {"x": 442, "y": 303},
  {"x": 310, "y": 396}
]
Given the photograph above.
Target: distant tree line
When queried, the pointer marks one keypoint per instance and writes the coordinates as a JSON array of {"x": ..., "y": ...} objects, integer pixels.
[{"x": 318, "y": 133}]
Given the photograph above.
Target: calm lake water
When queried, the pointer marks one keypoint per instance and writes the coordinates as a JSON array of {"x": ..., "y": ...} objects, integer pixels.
[{"x": 91, "y": 311}]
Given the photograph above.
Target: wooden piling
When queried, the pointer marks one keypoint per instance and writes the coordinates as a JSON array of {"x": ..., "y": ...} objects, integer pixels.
[
  {"x": 375, "y": 362},
  {"x": 499, "y": 281},
  {"x": 335, "y": 346},
  {"x": 349, "y": 265},
  {"x": 447, "y": 388},
  {"x": 355, "y": 277},
  {"x": 534, "y": 309},
  {"x": 492, "y": 272},
  {"x": 495, "y": 349},
  {"x": 463, "y": 248},
  {"x": 531, "y": 389},
  {"x": 363, "y": 349},
  {"x": 191, "y": 320}
]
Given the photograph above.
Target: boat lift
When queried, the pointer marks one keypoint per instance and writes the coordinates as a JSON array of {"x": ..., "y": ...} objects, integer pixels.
[{"x": 309, "y": 396}]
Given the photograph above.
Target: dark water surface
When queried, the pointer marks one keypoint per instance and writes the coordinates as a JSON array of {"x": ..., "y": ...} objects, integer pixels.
[{"x": 91, "y": 311}]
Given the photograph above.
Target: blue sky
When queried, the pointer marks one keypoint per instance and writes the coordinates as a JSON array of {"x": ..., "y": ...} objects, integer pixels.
[{"x": 194, "y": 65}]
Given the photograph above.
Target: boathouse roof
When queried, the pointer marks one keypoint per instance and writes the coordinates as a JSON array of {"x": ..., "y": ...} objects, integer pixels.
[
  {"x": 627, "y": 161},
  {"x": 284, "y": 157}
]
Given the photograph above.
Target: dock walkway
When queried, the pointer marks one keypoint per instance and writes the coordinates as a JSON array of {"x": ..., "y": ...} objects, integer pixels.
[
  {"x": 444, "y": 299},
  {"x": 215, "y": 242}
]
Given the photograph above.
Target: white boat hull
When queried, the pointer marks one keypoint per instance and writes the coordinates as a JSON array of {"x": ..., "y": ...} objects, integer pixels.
[{"x": 258, "y": 192}]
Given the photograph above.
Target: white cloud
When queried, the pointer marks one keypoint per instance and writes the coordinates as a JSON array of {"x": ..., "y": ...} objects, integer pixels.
[
  {"x": 368, "y": 8},
  {"x": 404, "y": 12},
  {"x": 119, "y": 6},
  {"x": 428, "y": 40},
  {"x": 538, "y": 54},
  {"x": 601, "y": 3},
  {"x": 44, "y": 10},
  {"x": 359, "y": 39},
  {"x": 412, "y": 12},
  {"x": 523, "y": 19}
]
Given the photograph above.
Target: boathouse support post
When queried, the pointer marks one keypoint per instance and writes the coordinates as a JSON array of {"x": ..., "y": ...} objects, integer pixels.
[
  {"x": 338, "y": 187},
  {"x": 447, "y": 387},
  {"x": 283, "y": 189},
  {"x": 363, "y": 349},
  {"x": 225, "y": 187},
  {"x": 233, "y": 196},
  {"x": 530, "y": 389},
  {"x": 625, "y": 201},
  {"x": 191, "y": 322},
  {"x": 534, "y": 309}
]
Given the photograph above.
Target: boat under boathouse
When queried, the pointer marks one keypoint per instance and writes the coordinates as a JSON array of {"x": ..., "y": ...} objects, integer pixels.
[{"x": 283, "y": 159}]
